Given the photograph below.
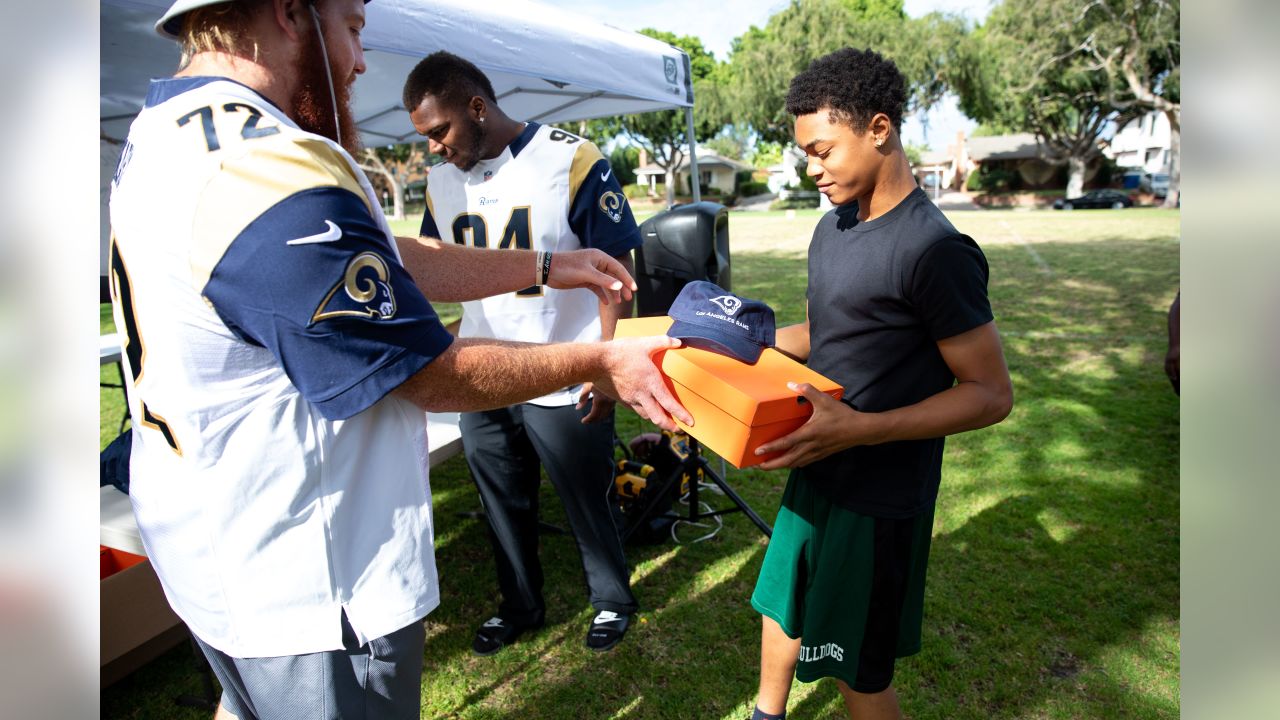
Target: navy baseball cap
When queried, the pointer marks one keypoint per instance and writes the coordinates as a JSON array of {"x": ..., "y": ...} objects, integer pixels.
[{"x": 708, "y": 317}]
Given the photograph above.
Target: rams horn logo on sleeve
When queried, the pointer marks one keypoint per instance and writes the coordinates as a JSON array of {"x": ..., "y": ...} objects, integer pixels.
[
  {"x": 366, "y": 291},
  {"x": 611, "y": 204}
]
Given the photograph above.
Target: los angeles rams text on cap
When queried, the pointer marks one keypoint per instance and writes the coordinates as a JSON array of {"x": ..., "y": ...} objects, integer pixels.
[{"x": 726, "y": 318}]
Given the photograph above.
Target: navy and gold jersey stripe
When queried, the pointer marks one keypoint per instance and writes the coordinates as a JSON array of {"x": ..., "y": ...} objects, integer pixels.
[{"x": 268, "y": 171}]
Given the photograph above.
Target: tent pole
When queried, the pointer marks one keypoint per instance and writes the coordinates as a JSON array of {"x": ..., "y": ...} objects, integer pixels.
[{"x": 695, "y": 177}]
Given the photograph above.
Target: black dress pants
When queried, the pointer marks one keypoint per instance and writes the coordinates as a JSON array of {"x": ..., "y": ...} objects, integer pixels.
[{"x": 505, "y": 448}]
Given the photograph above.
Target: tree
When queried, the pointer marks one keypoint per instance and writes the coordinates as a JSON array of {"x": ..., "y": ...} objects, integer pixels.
[
  {"x": 396, "y": 165},
  {"x": 915, "y": 153},
  {"x": 663, "y": 135},
  {"x": 1021, "y": 70},
  {"x": 763, "y": 60},
  {"x": 1137, "y": 44},
  {"x": 766, "y": 153},
  {"x": 733, "y": 142},
  {"x": 1070, "y": 70},
  {"x": 624, "y": 160}
]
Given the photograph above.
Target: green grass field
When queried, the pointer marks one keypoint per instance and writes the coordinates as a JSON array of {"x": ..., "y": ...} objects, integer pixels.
[{"x": 1053, "y": 583}]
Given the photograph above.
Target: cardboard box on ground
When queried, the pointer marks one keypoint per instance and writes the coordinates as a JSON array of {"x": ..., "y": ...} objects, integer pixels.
[{"x": 137, "y": 623}]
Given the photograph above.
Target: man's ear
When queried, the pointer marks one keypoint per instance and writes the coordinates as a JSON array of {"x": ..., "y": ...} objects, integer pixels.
[
  {"x": 478, "y": 108},
  {"x": 293, "y": 17}
]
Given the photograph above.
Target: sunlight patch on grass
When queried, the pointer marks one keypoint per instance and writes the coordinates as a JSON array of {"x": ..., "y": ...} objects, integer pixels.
[
  {"x": 725, "y": 568},
  {"x": 961, "y": 509},
  {"x": 1081, "y": 409},
  {"x": 443, "y": 537},
  {"x": 717, "y": 572},
  {"x": 1119, "y": 479},
  {"x": 1068, "y": 449},
  {"x": 1058, "y": 526},
  {"x": 647, "y": 568},
  {"x": 627, "y": 709},
  {"x": 1149, "y": 663}
]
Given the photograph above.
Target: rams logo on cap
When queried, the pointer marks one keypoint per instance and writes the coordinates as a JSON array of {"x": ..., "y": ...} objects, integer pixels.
[
  {"x": 611, "y": 204},
  {"x": 366, "y": 291},
  {"x": 728, "y": 303}
]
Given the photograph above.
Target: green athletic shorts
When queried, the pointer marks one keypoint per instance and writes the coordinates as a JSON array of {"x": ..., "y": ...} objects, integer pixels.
[{"x": 849, "y": 586}]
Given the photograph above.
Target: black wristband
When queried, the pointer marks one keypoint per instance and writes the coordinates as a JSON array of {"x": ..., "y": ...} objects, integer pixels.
[{"x": 546, "y": 268}]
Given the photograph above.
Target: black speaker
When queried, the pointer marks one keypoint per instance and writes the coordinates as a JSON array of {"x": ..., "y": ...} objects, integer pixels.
[{"x": 683, "y": 244}]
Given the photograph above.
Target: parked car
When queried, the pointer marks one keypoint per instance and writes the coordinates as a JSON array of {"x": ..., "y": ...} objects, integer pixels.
[
  {"x": 1095, "y": 199},
  {"x": 1155, "y": 183},
  {"x": 1160, "y": 184}
]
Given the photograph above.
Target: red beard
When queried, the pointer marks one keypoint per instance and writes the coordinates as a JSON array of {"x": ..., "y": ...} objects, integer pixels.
[{"x": 312, "y": 107}]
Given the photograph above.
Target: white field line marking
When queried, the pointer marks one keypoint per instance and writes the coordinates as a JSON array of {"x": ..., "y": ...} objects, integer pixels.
[{"x": 1044, "y": 266}]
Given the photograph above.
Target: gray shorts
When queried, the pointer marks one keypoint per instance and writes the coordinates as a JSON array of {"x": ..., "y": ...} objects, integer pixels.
[{"x": 381, "y": 679}]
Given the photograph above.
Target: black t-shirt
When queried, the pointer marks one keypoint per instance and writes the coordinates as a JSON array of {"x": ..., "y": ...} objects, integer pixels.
[{"x": 881, "y": 294}]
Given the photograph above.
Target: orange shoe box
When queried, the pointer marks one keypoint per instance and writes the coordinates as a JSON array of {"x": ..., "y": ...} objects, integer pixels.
[{"x": 736, "y": 407}]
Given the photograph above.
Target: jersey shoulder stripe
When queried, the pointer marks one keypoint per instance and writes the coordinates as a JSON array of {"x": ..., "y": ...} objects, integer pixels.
[
  {"x": 585, "y": 158},
  {"x": 268, "y": 170}
]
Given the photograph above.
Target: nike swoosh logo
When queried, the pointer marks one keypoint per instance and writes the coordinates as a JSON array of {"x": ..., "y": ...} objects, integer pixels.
[
  {"x": 604, "y": 177},
  {"x": 333, "y": 233}
]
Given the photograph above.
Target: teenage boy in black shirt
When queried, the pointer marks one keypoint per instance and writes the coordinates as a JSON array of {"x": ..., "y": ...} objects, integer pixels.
[{"x": 898, "y": 315}]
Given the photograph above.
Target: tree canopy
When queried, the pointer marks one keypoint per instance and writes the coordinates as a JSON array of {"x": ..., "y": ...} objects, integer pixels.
[
  {"x": 763, "y": 60},
  {"x": 1065, "y": 70}
]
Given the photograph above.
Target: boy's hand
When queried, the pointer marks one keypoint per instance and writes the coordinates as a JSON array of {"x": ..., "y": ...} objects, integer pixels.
[{"x": 827, "y": 431}]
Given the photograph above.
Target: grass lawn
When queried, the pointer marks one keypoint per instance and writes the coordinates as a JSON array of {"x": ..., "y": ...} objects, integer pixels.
[{"x": 1053, "y": 582}]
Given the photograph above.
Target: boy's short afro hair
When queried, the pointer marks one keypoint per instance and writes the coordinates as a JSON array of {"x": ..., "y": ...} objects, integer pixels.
[
  {"x": 854, "y": 84},
  {"x": 447, "y": 77}
]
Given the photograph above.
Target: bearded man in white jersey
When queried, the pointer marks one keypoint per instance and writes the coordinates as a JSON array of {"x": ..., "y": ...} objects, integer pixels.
[
  {"x": 281, "y": 351},
  {"x": 513, "y": 185}
]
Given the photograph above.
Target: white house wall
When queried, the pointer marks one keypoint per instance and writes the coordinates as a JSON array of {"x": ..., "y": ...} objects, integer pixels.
[{"x": 1143, "y": 143}]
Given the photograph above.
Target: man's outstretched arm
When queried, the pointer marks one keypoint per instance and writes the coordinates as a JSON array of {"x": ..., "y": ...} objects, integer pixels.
[
  {"x": 447, "y": 272},
  {"x": 480, "y": 374}
]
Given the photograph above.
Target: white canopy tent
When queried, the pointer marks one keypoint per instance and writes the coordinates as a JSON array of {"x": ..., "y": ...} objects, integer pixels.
[{"x": 545, "y": 64}]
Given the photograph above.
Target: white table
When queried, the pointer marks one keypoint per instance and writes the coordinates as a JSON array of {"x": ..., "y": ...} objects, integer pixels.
[
  {"x": 109, "y": 353},
  {"x": 108, "y": 349},
  {"x": 444, "y": 437},
  {"x": 119, "y": 530}
]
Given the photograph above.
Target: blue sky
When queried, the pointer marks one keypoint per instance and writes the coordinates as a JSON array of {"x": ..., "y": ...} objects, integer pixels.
[{"x": 717, "y": 23}]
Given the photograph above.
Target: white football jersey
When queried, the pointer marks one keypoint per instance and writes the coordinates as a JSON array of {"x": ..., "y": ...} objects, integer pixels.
[
  {"x": 548, "y": 190},
  {"x": 275, "y": 481}
]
